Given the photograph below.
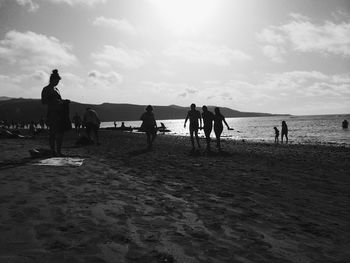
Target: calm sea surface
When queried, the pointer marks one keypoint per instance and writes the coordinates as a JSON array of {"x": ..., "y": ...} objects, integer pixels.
[{"x": 320, "y": 129}]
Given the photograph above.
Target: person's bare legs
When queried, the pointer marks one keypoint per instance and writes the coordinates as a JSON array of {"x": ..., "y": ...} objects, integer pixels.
[{"x": 197, "y": 138}]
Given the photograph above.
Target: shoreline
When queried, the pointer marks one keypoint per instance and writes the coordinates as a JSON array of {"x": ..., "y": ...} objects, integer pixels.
[{"x": 254, "y": 202}]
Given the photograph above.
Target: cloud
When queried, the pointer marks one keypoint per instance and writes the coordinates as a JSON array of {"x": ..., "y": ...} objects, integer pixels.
[
  {"x": 80, "y": 2},
  {"x": 120, "y": 56},
  {"x": 30, "y": 49},
  {"x": 204, "y": 53},
  {"x": 275, "y": 53},
  {"x": 302, "y": 35},
  {"x": 122, "y": 25},
  {"x": 32, "y": 6},
  {"x": 170, "y": 89},
  {"x": 100, "y": 79}
]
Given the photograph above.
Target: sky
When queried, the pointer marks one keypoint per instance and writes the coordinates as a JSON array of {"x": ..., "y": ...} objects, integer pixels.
[{"x": 274, "y": 56}]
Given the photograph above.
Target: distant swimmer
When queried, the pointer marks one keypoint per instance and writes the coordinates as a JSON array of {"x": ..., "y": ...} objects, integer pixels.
[
  {"x": 284, "y": 131},
  {"x": 277, "y": 134},
  {"x": 345, "y": 124},
  {"x": 195, "y": 117}
]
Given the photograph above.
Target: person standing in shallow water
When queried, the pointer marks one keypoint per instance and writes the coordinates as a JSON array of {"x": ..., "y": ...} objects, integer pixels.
[
  {"x": 194, "y": 115},
  {"x": 57, "y": 110},
  {"x": 284, "y": 131},
  {"x": 149, "y": 125},
  {"x": 219, "y": 119},
  {"x": 208, "y": 118}
]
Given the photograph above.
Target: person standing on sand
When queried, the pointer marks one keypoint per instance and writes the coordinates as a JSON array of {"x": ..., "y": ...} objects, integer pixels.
[
  {"x": 218, "y": 126},
  {"x": 91, "y": 121},
  {"x": 277, "y": 134},
  {"x": 57, "y": 110},
  {"x": 149, "y": 125},
  {"x": 208, "y": 118},
  {"x": 194, "y": 115},
  {"x": 284, "y": 131}
]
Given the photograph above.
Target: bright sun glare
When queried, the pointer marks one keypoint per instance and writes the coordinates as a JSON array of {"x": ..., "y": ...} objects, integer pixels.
[{"x": 186, "y": 15}]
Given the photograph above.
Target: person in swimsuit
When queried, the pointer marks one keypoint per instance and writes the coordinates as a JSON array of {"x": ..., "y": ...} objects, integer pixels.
[
  {"x": 277, "y": 134},
  {"x": 284, "y": 131},
  {"x": 56, "y": 113},
  {"x": 208, "y": 118},
  {"x": 194, "y": 115},
  {"x": 149, "y": 125},
  {"x": 219, "y": 119}
]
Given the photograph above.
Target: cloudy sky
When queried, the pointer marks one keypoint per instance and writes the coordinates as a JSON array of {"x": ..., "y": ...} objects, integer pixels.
[{"x": 277, "y": 56}]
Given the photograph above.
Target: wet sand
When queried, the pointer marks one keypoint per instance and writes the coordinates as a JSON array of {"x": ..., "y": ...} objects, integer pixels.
[{"x": 254, "y": 202}]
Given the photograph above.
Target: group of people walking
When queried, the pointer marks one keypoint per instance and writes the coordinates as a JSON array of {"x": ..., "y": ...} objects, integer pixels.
[
  {"x": 195, "y": 118},
  {"x": 149, "y": 125}
]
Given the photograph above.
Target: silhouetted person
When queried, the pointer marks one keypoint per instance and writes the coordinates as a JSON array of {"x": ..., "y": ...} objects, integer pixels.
[
  {"x": 149, "y": 126},
  {"x": 77, "y": 122},
  {"x": 123, "y": 125},
  {"x": 91, "y": 121},
  {"x": 284, "y": 131},
  {"x": 57, "y": 110},
  {"x": 194, "y": 115},
  {"x": 219, "y": 119},
  {"x": 345, "y": 124},
  {"x": 115, "y": 124},
  {"x": 277, "y": 134},
  {"x": 208, "y": 118}
]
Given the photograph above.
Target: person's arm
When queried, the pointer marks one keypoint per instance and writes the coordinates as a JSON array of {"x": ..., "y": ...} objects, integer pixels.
[
  {"x": 228, "y": 127},
  {"x": 186, "y": 121},
  {"x": 200, "y": 121}
]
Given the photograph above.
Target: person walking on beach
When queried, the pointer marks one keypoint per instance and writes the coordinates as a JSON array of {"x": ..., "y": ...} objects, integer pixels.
[
  {"x": 284, "y": 131},
  {"x": 208, "y": 118},
  {"x": 194, "y": 115},
  {"x": 57, "y": 113},
  {"x": 149, "y": 125},
  {"x": 77, "y": 123},
  {"x": 277, "y": 134},
  {"x": 219, "y": 119},
  {"x": 91, "y": 122}
]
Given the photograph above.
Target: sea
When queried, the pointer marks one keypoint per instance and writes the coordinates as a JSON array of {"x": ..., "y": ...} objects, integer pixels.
[{"x": 316, "y": 129}]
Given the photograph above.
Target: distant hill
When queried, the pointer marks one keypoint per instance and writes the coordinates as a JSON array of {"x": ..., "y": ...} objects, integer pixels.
[
  {"x": 4, "y": 98},
  {"x": 33, "y": 109}
]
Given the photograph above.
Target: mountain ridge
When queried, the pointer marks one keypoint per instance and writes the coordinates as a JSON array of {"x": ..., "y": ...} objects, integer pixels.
[{"x": 20, "y": 109}]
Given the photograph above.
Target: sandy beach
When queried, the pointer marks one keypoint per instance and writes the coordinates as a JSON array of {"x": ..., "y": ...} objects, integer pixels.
[{"x": 255, "y": 202}]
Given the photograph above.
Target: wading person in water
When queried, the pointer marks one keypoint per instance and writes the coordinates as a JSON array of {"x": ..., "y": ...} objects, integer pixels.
[
  {"x": 284, "y": 131},
  {"x": 194, "y": 115},
  {"x": 219, "y": 119},
  {"x": 57, "y": 113},
  {"x": 208, "y": 118},
  {"x": 149, "y": 125}
]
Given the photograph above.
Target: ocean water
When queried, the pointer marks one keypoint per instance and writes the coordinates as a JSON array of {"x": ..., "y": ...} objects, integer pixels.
[{"x": 319, "y": 129}]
